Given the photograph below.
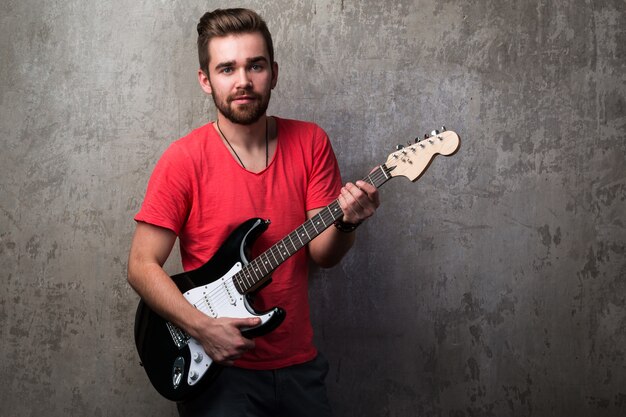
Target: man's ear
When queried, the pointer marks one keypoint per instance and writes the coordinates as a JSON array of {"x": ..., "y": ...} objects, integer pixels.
[
  {"x": 205, "y": 84},
  {"x": 274, "y": 74}
]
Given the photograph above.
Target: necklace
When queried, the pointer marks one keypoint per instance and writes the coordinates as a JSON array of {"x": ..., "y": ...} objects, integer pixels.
[{"x": 267, "y": 152}]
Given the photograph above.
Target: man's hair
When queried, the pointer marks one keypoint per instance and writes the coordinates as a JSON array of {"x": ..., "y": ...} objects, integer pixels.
[{"x": 224, "y": 22}]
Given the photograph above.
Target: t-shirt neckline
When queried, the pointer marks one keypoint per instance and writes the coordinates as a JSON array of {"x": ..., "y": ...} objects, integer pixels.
[{"x": 236, "y": 162}]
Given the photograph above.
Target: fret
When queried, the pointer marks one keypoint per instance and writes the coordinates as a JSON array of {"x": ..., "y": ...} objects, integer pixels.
[
  {"x": 318, "y": 217},
  {"x": 322, "y": 218},
  {"x": 245, "y": 276},
  {"x": 328, "y": 212},
  {"x": 336, "y": 211},
  {"x": 255, "y": 271},
  {"x": 383, "y": 172},
  {"x": 281, "y": 250},
  {"x": 294, "y": 238},
  {"x": 237, "y": 282},
  {"x": 254, "y": 266},
  {"x": 245, "y": 285},
  {"x": 286, "y": 244},
  {"x": 310, "y": 230},
  {"x": 295, "y": 248},
  {"x": 274, "y": 256},
  {"x": 276, "y": 250},
  {"x": 314, "y": 228},
  {"x": 302, "y": 234},
  {"x": 249, "y": 279},
  {"x": 264, "y": 263}
]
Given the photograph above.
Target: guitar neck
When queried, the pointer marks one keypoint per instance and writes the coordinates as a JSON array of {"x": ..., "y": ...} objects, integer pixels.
[{"x": 257, "y": 272}]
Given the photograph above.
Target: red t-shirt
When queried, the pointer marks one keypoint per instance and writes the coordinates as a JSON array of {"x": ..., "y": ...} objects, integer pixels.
[{"x": 199, "y": 191}]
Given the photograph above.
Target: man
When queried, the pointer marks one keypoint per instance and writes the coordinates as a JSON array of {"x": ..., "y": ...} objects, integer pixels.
[{"x": 245, "y": 164}]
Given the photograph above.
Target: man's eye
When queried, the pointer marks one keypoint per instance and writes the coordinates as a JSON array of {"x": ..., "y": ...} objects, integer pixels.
[
  {"x": 227, "y": 70},
  {"x": 256, "y": 67}
]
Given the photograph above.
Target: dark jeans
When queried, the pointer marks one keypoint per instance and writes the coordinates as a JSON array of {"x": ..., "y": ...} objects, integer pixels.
[{"x": 295, "y": 391}]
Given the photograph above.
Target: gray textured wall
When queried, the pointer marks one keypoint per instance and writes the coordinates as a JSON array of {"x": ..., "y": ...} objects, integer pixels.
[{"x": 495, "y": 286}]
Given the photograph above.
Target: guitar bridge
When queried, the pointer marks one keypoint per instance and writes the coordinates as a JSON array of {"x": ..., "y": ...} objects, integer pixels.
[{"x": 179, "y": 337}]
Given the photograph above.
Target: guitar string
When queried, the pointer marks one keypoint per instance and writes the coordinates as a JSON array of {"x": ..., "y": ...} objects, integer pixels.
[
  {"x": 260, "y": 263},
  {"x": 255, "y": 268},
  {"x": 256, "y": 265},
  {"x": 220, "y": 293}
]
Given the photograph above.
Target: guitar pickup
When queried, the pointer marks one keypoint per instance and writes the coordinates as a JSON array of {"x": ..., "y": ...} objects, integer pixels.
[{"x": 179, "y": 337}]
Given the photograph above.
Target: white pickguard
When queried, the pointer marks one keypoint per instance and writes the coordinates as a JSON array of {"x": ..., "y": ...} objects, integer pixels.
[{"x": 217, "y": 299}]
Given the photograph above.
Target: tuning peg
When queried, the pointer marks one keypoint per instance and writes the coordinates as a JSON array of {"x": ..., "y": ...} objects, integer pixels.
[
  {"x": 434, "y": 133},
  {"x": 417, "y": 140},
  {"x": 443, "y": 128},
  {"x": 398, "y": 147},
  {"x": 426, "y": 136}
]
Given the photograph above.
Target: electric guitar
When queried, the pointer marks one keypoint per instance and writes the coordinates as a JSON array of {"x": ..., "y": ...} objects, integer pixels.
[{"x": 176, "y": 364}]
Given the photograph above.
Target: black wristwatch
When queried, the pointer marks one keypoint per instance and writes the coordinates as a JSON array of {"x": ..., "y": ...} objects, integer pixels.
[{"x": 346, "y": 227}]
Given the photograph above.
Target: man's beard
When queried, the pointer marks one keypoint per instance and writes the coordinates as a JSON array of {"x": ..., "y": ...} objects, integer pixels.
[{"x": 243, "y": 114}]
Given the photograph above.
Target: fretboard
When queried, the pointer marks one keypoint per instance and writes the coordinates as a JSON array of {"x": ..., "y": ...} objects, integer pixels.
[{"x": 255, "y": 273}]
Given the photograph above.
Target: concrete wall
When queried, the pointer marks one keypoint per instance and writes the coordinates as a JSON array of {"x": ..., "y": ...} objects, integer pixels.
[{"x": 495, "y": 286}]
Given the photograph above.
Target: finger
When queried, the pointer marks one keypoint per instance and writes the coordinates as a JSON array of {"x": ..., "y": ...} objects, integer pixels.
[
  {"x": 246, "y": 345},
  {"x": 364, "y": 204},
  {"x": 247, "y": 322},
  {"x": 348, "y": 203},
  {"x": 366, "y": 187},
  {"x": 222, "y": 356},
  {"x": 355, "y": 194},
  {"x": 370, "y": 191}
]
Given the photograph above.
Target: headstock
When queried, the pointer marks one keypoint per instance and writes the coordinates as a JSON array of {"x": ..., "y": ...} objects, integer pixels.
[{"x": 412, "y": 160}]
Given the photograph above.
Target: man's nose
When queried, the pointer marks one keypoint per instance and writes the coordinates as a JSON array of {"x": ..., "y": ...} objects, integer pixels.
[{"x": 243, "y": 80}]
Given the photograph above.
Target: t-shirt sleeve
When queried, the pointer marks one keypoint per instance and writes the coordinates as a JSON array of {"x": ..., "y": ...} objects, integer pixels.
[
  {"x": 166, "y": 203},
  {"x": 325, "y": 179}
]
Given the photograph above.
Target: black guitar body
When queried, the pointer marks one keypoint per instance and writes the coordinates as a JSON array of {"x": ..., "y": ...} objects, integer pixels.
[{"x": 168, "y": 355}]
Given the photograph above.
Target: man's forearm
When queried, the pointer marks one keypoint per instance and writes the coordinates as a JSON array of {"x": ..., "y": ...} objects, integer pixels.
[
  {"x": 331, "y": 246},
  {"x": 158, "y": 290}
]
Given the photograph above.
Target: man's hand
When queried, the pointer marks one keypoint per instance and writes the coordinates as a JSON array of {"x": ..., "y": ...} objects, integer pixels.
[
  {"x": 222, "y": 340},
  {"x": 358, "y": 201}
]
